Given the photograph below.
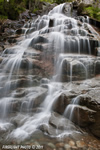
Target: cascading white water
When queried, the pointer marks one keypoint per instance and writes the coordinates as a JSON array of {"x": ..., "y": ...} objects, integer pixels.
[
  {"x": 57, "y": 9},
  {"x": 64, "y": 37},
  {"x": 69, "y": 111}
]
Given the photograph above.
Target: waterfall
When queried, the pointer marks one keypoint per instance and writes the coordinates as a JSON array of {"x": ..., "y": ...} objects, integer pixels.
[{"x": 64, "y": 41}]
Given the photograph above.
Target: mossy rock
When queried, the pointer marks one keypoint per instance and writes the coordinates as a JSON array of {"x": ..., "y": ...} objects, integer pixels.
[{"x": 81, "y": 7}]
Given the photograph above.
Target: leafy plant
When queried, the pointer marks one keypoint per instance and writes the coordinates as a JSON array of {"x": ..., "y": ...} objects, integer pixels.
[
  {"x": 11, "y": 9},
  {"x": 93, "y": 12}
]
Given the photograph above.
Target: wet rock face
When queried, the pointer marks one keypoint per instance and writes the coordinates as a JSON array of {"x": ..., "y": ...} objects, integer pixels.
[
  {"x": 74, "y": 68},
  {"x": 97, "y": 63},
  {"x": 39, "y": 39},
  {"x": 62, "y": 101},
  {"x": 81, "y": 115},
  {"x": 77, "y": 67},
  {"x": 83, "y": 109},
  {"x": 67, "y": 9},
  {"x": 25, "y": 100}
]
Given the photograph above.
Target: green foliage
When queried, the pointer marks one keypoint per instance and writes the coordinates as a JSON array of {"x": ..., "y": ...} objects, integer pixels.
[
  {"x": 3, "y": 17},
  {"x": 35, "y": 10},
  {"x": 49, "y": 1},
  {"x": 11, "y": 9},
  {"x": 56, "y": 1},
  {"x": 93, "y": 12}
]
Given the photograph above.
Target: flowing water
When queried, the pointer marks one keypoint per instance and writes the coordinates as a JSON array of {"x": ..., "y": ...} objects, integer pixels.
[{"x": 69, "y": 43}]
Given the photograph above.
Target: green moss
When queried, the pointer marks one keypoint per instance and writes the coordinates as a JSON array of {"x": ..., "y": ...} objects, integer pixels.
[
  {"x": 93, "y": 12},
  {"x": 35, "y": 10},
  {"x": 20, "y": 9},
  {"x": 11, "y": 9},
  {"x": 49, "y": 1},
  {"x": 56, "y": 1},
  {"x": 3, "y": 17}
]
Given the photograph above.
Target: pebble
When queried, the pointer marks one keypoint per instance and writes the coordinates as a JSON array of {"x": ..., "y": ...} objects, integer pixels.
[
  {"x": 71, "y": 143},
  {"x": 36, "y": 143},
  {"x": 80, "y": 144},
  {"x": 51, "y": 145},
  {"x": 67, "y": 147},
  {"x": 60, "y": 148},
  {"x": 60, "y": 145},
  {"x": 73, "y": 148}
]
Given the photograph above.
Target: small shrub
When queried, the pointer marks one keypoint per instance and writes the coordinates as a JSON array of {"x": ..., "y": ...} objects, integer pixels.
[
  {"x": 11, "y": 9},
  {"x": 3, "y": 17},
  {"x": 93, "y": 12}
]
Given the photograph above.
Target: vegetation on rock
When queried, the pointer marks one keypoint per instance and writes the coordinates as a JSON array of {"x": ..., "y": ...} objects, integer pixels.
[
  {"x": 88, "y": 9},
  {"x": 93, "y": 12},
  {"x": 12, "y": 8}
]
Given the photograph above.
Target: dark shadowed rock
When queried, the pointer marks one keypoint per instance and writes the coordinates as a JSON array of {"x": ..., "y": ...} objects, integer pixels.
[
  {"x": 97, "y": 66},
  {"x": 51, "y": 23},
  {"x": 75, "y": 4},
  {"x": 20, "y": 31}
]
